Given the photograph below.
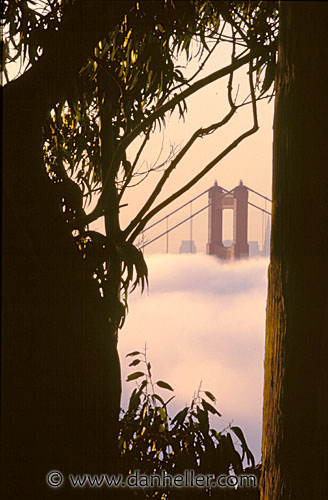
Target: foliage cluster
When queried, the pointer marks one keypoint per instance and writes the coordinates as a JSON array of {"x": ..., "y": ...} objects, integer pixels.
[
  {"x": 151, "y": 441},
  {"x": 27, "y": 25}
]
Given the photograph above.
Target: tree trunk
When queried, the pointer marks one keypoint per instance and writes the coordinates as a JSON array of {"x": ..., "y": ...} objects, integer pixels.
[
  {"x": 61, "y": 376},
  {"x": 295, "y": 444},
  {"x": 60, "y": 367}
]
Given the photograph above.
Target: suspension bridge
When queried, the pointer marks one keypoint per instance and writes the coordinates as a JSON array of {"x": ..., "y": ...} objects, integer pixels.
[{"x": 218, "y": 200}]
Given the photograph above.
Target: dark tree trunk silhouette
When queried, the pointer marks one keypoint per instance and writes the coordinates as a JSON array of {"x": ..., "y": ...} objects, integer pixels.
[
  {"x": 60, "y": 368},
  {"x": 295, "y": 445}
]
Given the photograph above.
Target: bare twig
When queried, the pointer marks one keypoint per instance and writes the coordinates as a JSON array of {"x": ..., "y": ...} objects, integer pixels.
[
  {"x": 230, "y": 100},
  {"x": 156, "y": 168},
  {"x": 130, "y": 173}
]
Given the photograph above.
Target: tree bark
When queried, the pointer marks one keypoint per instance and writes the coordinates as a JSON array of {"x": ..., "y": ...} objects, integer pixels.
[
  {"x": 60, "y": 367},
  {"x": 295, "y": 443}
]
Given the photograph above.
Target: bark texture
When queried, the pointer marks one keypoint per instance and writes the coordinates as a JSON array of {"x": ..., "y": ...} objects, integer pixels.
[
  {"x": 295, "y": 444},
  {"x": 60, "y": 367}
]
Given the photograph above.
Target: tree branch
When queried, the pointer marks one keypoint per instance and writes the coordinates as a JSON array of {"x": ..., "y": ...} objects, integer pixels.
[
  {"x": 201, "y": 132},
  {"x": 139, "y": 225}
]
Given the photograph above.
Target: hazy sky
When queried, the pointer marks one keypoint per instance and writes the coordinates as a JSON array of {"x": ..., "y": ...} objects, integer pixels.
[{"x": 203, "y": 321}]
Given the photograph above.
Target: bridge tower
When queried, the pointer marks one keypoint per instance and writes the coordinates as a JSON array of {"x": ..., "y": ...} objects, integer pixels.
[
  {"x": 237, "y": 200},
  {"x": 240, "y": 222},
  {"x": 215, "y": 245}
]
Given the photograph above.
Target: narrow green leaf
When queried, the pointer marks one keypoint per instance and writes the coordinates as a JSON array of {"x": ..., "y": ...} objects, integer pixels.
[
  {"x": 202, "y": 416},
  {"x": 240, "y": 435},
  {"x": 134, "y": 400},
  {"x": 180, "y": 416},
  {"x": 134, "y": 353},
  {"x": 210, "y": 408},
  {"x": 164, "y": 385},
  {"x": 162, "y": 413},
  {"x": 210, "y": 396},
  {"x": 234, "y": 456},
  {"x": 158, "y": 397},
  {"x": 134, "y": 376},
  {"x": 142, "y": 386},
  {"x": 135, "y": 362},
  {"x": 169, "y": 400}
]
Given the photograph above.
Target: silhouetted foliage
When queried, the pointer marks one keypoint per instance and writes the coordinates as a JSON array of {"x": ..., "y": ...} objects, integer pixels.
[{"x": 151, "y": 441}]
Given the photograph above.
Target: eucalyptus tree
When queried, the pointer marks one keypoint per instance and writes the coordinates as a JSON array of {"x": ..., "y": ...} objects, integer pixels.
[
  {"x": 295, "y": 431},
  {"x": 99, "y": 76}
]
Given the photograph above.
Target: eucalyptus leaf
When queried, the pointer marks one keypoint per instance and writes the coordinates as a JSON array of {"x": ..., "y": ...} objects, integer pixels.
[
  {"x": 134, "y": 376},
  {"x": 164, "y": 385}
]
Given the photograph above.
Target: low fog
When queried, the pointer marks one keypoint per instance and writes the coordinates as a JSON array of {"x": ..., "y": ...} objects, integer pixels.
[{"x": 203, "y": 320}]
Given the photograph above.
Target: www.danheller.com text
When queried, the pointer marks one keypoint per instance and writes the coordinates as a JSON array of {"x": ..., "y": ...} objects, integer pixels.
[{"x": 188, "y": 479}]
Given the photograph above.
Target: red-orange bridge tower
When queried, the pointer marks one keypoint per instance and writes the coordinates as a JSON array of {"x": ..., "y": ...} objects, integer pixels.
[{"x": 236, "y": 200}]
